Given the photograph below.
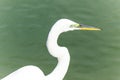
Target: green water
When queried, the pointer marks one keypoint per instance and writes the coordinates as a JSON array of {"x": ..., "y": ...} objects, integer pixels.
[{"x": 24, "y": 25}]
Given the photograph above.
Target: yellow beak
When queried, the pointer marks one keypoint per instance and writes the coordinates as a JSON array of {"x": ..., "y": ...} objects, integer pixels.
[
  {"x": 90, "y": 28},
  {"x": 86, "y": 27}
]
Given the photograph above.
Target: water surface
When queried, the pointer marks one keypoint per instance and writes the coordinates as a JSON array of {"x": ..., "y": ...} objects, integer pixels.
[{"x": 24, "y": 25}]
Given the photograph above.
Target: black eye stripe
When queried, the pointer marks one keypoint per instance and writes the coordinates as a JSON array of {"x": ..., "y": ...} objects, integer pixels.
[{"x": 81, "y": 24}]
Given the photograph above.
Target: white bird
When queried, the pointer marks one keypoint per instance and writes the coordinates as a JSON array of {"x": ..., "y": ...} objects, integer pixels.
[{"x": 31, "y": 72}]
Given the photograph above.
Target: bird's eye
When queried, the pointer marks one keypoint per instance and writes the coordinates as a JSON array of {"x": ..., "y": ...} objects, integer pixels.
[{"x": 72, "y": 26}]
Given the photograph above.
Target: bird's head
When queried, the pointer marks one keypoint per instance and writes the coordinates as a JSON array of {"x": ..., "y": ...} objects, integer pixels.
[
  {"x": 68, "y": 25},
  {"x": 63, "y": 25}
]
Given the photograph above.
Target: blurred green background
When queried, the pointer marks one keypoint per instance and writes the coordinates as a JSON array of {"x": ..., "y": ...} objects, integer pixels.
[{"x": 95, "y": 55}]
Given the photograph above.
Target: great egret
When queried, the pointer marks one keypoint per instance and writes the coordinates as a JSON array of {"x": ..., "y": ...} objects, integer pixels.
[{"x": 31, "y": 72}]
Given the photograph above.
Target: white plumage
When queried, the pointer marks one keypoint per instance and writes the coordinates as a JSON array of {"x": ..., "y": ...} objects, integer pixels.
[{"x": 31, "y": 72}]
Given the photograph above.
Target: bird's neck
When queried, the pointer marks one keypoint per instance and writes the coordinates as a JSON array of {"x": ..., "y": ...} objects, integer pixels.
[{"x": 63, "y": 62}]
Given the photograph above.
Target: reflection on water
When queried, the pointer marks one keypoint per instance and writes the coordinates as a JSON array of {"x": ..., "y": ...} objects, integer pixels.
[{"x": 24, "y": 26}]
